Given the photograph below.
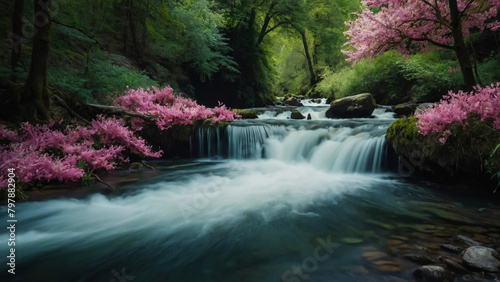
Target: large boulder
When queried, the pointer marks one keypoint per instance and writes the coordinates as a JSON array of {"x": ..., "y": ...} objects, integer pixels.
[
  {"x": 357, "y": 106},
  {"x": 297, "y": 115},
  {"x": 293, "y": 101},
  {"x": 482, "y": 258}
]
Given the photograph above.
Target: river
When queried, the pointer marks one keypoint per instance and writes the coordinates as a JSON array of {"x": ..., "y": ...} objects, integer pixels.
[{"x": 271, "y": 199}]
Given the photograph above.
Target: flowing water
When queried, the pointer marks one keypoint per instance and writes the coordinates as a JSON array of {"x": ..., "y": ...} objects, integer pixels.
[{"x": 271, "y": 199}]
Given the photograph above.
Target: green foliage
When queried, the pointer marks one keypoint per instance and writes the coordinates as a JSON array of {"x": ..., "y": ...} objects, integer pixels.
[
  {"x": 87, "y": 180},
  {"x": 488, "y": 69},
  {"x": 72, "y": 81},
  {"x": 106, "y": 76},
  {"x": 205, "y": 47},
  {"x": 326, "y": 22},
  {"x": 472, "y": 146},
  {"x": 20, "y": 195},
  {"x": 493, "y": 165},
  {"x": 430, "y": 76},
  {"x": 391, "y": 78},
  {"x": 291, "y": 67}
]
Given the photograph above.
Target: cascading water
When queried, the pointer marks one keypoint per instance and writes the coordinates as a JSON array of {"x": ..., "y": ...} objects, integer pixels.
[
  {"x": 277, "y": 200},
  {"x": 332, "y": 145}
]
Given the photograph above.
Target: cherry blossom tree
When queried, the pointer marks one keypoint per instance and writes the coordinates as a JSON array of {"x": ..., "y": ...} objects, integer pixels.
[{"x": 409, "y": 25}]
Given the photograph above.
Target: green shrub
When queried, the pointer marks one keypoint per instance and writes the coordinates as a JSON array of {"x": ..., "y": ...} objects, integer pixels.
[
  {"x": 430, "y": 76},
  {"x": 104, "y": 78},
  {"x": 391, "y": 78}
]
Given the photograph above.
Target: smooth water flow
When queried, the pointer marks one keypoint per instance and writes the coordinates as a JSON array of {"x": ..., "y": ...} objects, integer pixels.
[
  {"x": 276, "y": 200},
  {"x": 331, "y": 145}
]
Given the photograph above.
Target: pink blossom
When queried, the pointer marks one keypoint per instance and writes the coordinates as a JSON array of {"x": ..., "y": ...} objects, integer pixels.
[
  {"x": 399, "y": 22},
  {"x": 454, "y": 107},
  {"x": 43, "y": 153},
  {"x": 167, "y": 109}
]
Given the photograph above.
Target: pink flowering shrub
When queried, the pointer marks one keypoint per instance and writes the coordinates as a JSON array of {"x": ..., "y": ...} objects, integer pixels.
[
  {"x": 455, "y": 107},
  {"x": 167, "y": 109},
  {"x": 50, "y": 152},
  {"x": 41, "y": 153}
]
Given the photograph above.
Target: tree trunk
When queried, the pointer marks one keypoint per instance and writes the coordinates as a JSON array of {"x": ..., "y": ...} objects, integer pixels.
[
  {"x": 267, "y": 19},
  {"x": 460, "y": 48},
  {"x": 35, "y": 102},
  {"x": 17, "y": 31},
  {"x": 308, "y": 57},
  {"x": 133, "y": 31}
]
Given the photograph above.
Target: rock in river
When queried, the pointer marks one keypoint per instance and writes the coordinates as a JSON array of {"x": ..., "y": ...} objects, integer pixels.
[
  {"x": 357, "y": 106},
  {"x": 483, "y": 258},
  {"x": 293, "y": 101},
  {"x": 433, "y": 273},
  {"x": 246, "y": 113},
  {"x": 297, "y": 115}
]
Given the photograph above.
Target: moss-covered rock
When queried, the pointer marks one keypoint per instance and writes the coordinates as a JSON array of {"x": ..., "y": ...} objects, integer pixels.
[
  {"x": 405, "y": 109},
  {"x": 297, "y": 115},
  {"x": 295, "y": 102},
  {"x": 419, "y": 153},
  {"x": 357, "y": 106},
  {"x": 246, "y": 113},
  {"x": 403, "y": 134},
  {"x": 135, "y": 166},
  {"x": 466, "y": 153}
]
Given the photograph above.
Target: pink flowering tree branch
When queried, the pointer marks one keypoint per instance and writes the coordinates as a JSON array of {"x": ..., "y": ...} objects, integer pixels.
[
  {"x": 409, "y": 25},
  {"x": 167, "y": 109}
]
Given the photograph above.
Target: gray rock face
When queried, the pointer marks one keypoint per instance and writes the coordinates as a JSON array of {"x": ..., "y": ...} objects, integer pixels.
[
  {"x": 433, "y": 273},
  {"x": 483, "y": 258},
  {"x": 357, "y": 106}
]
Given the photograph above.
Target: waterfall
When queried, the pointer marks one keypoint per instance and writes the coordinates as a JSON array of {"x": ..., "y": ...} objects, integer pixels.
[{"x": 343, "y": 148}]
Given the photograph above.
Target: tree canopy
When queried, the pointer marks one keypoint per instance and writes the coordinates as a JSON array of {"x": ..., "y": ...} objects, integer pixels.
[{"x": 413, "y": 25}]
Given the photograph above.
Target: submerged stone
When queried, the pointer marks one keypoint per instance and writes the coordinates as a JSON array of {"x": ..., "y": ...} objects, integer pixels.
[
  {"x": 420, "y": 259},
  {"x": 467, "y": 240},
  {"x": 433, "y": 273},
  {"x": 451, "y": 248}
]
